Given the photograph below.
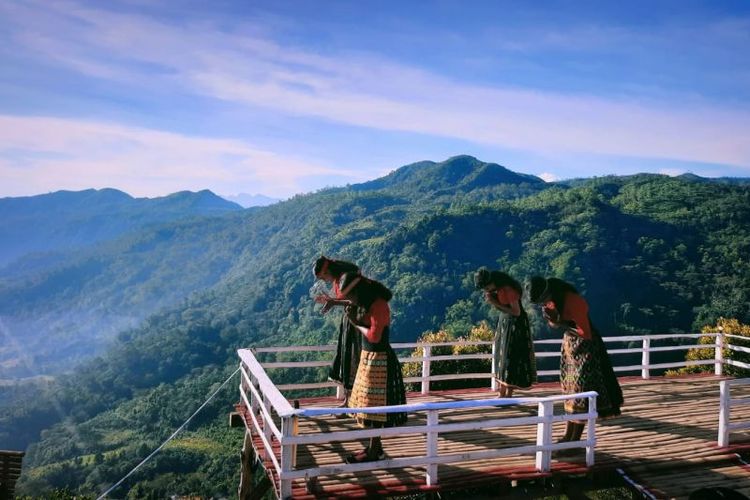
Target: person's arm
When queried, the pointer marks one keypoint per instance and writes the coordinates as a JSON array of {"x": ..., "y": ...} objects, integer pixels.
[
  {"x": 380, "y": 317},
  {"x": 551, "y": 314},
  {"x": 576, "y": 315},
  {"x": 508, "y": 301},
  {"x": 329, "y": 303}
]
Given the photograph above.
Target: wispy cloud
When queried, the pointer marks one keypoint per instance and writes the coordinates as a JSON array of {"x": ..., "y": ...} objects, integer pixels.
[
  {"x": 243, "y": 65},
  {"x": 39, "y": 154},
  {"x": 548, "y": 177}
]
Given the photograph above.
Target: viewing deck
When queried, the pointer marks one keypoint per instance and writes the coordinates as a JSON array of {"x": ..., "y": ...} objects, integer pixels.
[{"x": 676, "y": 434}]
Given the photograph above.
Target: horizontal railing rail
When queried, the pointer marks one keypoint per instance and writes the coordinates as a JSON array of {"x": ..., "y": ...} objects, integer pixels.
[
  {"x": 726, "y": 403},
  {"x": 645, "y": 349},
  {"x": 267, "y": 406}
]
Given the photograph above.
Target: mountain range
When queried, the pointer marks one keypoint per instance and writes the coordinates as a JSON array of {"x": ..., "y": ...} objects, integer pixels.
[{"x": 652, "y": 254}]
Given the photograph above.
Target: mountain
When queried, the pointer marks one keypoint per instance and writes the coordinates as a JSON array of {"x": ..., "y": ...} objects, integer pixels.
[
  {"x": 651, "y": 254},
  {"x": 69, "y": 220},
  {"x": 459, "y": 174},
  {"x": 251, "y": 200},
  {"x": 98, "y": 265}
]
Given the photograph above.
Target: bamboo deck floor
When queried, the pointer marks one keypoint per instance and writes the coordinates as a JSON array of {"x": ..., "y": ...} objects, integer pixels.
[{"x": 665, "y": 441}]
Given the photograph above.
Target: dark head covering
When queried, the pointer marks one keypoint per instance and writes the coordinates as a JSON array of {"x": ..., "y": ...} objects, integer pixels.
[
  {"x": 334, "y": 267},
  {"x": 484, "y": 277},
  {"x": 366, "y": 290},
  {"x": 549, "y": 289},
  {"x": 537, "y": 289}
]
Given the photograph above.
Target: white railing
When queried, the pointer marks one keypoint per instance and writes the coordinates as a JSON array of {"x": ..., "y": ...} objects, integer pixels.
[
  {"x": 264, "y": 400},
  {"x": 725, "y": 409},
  {"x": 426, "y": 359}
]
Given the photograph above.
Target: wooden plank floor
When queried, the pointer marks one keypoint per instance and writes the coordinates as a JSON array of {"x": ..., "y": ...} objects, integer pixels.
[{"x": 665, "y": 441}]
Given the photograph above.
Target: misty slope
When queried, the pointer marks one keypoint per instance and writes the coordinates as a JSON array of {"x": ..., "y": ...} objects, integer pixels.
[
  {"x": 97, "y": 265},
  {"x": 651, "y": 253},
  {"x": 66, "y": 220}
]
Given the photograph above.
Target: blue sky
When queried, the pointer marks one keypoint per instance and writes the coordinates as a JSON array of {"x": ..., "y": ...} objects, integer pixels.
[{"x": 286, "y": 97}]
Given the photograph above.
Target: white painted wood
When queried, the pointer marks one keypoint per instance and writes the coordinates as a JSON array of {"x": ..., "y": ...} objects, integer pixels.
[
  {"x": 447, "y": 357},
  {"x": 591, "y": 428},
  {"x": 544, "y": 437},
  {"x": 266, "y": 442},
  {"x": 632, "y": 350},
  {"x": 432, "y": 448},
  {"x": 295, "y": 348},
  {"x": 646, "y": 359},
  {"x": 630, "y": 368},
  {"x": 737, "y": 348},
  {"x": 733, "y": 336},
  {"x": 268, "y": 427},
  {"x": 410, "y": 462},
  {"x": 310, "y": 385},
  {"x": 444, "y": 405},
  {"x": 288, "y": 456},
  {"x": 683, "y": 363},
  {"x": 458, "y": 376},
  {"x": 494, "y": 384},
  {"x": 725, "y": 409},
  {"x": 739, "y": 364},
  {"x": 425, "y": 385},
  {"x": 295, "y": 364},
  {"x": 261, "y": 406},
  {"x": 279, "y": 402},
  {"x": 719, "y": 355}
]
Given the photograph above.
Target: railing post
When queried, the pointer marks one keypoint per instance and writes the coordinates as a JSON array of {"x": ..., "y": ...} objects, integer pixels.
[
  {"x": 254, "y": 403},
  {"x": 432, "y": 446},
  {"x": 719, "y": 354},
  {"x": 426, "y": 353},
  {"x": 725, "y": 410},
  {"x": 646, "y": 359},
  {"x": 544, "y": 436},
  {"x": 494, "y": 386},
  {"x": 267, "y": 432},
  {"x": 591, "y": 431},
  {"x": 288, "y": 455}
]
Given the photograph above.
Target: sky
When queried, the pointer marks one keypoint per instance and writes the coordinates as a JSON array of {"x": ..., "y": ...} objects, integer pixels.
[{"x": 284, "y": 97}]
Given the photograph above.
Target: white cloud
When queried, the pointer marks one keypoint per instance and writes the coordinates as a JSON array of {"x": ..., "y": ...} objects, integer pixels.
[
  {"x": 39, "y": 154},
  {"x": 672, "y": 172},
  {"x": 246, "y": 68},
  {"x": 548, "y": 177}
]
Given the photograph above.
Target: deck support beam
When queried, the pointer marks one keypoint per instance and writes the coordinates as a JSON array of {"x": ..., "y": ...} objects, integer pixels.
[{"x": 247, "y": 458}]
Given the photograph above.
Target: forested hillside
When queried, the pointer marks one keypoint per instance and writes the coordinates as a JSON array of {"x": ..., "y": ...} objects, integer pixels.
[
  {"x": 66, "y": 220},
  {"x": 651, "y": 253},
  {"x": 99, "y": 262}
]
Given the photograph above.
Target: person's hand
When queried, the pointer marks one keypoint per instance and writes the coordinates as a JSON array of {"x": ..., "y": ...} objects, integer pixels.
[
  {"x": 351, "y": 313},
  {"x": 552, "y": 315},
  {"x": 322, "y": 299},
  {"x": 329, "y": 303},
  {"x": 491, "y": 297}
]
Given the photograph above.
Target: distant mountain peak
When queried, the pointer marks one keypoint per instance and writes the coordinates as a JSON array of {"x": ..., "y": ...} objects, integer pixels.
[
  {"x": 251, "y": 200},
  {"x": 461, "y": 172}
]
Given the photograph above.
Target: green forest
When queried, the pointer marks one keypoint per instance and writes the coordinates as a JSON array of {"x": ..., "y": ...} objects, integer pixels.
[{"x": 651, "y": 253}]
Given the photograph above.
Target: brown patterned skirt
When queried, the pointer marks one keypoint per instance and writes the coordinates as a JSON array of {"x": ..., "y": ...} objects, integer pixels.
[
  {"x": 379, "y": 382},
  {"x": 585, "y": 366}
]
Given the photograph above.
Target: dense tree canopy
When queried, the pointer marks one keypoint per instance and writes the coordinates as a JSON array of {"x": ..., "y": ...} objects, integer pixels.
[{"x": 652, "y": 254}]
